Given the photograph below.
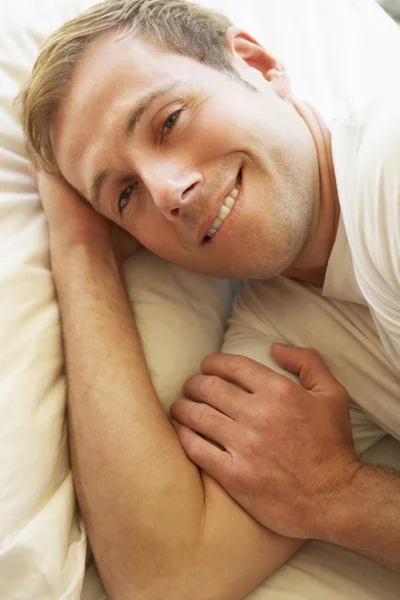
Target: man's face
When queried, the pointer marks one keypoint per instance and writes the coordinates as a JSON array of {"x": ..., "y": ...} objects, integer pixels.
[{"x": 166, "y": 170}]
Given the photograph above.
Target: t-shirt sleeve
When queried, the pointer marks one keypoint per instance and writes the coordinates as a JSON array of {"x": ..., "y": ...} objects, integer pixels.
[{"x": 372, "y": 218}]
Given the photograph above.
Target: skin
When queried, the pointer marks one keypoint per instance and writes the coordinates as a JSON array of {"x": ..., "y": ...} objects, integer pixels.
[{"x": 285, "y": 218}]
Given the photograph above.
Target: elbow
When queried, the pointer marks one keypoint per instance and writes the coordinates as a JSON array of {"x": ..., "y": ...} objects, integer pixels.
[
  {"x": 179, "y": 581},
  {"x": 171, "y": 571},
  {"x": 183, "y": 578}
]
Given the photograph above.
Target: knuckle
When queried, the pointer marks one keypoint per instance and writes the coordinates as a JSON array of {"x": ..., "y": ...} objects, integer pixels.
[
  {"x": 286, "y": 386},
  {"x": 208, "y": 386},
  {"x": 338, "y": 393},
  {"x": 312, "y": 353},
  {"x": 283, "y": 386},
  {"x": 234, "y": 362},
  {"x": 198, "y": 412}
]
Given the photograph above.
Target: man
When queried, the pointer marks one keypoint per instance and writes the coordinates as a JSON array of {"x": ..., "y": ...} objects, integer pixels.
[{"x": 185, "y": 134}]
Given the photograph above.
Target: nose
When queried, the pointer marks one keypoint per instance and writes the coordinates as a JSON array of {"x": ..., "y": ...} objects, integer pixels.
[{"x": 173, "y": 190}]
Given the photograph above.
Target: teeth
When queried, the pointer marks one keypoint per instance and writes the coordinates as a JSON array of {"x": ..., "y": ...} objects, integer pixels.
[
  {"x": 224, "y": 212},
  {"x": 229, "y": 202}
]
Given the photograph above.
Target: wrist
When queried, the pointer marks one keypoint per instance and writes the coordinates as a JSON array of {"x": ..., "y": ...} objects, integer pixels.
[
  {"x": 63, "y": 256},
  {"x": 344, "y": 517}
]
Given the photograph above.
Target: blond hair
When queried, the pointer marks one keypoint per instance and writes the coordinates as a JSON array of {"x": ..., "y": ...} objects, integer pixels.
[{"x": 175, "y": 25}]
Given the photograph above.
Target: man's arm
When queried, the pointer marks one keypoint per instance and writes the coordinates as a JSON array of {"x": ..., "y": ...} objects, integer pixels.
[
  {"x": 133, "y": 480},
  {"x": 366, "y": 517},
  {"x": 156, "y": 524},
  {"x": 159, "y": 527}
]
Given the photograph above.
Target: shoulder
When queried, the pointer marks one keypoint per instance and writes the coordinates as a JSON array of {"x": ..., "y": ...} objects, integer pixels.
[
  {"x": 372, "y": 214},
  {"x": 373, "y": 218},
  {"x": 379, "y": 144}
]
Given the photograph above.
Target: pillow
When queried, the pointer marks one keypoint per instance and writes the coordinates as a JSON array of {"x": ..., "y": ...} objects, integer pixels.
[{"x": 181, "y": 318}]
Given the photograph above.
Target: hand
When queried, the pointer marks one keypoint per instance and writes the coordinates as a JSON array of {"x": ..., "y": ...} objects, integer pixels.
[
  {"x": 284, "y": 452},
  {"x": 73, "y": 222}
]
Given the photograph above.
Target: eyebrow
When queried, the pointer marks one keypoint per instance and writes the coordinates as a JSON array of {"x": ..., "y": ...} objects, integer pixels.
[
  {"x": 135, "y": 115},
  {"x": 145, "y": 103}
]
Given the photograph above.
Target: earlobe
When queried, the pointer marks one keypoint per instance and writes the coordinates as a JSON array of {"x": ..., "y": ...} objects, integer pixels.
[
  {"x": 275, "y": 72},
  {"x": 244, "y": 48},
  {"x": 280, "y": 81}
]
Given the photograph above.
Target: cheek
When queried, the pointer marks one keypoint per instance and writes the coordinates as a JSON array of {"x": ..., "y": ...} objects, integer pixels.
[
  {"x": 155, "y": 233},
  {"x": 219, "y": 130}
]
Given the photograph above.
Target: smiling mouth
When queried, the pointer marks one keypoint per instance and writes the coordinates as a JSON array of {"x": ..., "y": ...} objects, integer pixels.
[{"x": 225, "y": 210}]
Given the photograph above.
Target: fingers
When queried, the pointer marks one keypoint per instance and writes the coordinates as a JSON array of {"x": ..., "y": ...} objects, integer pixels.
[
  {"x": 33, "y": 172},
  {"x": 205, "y": 455},
  {"x": 248, "y": 374},
  {"x": 222, "y": 395},
  {"x": 55, "y": 184},
  {"x": 308, "y": 364},
  {"x": 205, "y": 420}
]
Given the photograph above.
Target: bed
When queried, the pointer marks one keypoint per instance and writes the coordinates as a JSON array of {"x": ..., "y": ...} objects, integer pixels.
[{"x": 330, "y": 48}]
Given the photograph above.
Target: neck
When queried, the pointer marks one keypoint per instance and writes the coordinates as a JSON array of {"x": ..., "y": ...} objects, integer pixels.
[{"x": 310, "y": 266}]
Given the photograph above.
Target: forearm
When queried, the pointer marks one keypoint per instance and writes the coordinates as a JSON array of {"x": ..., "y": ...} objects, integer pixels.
[
  {"x": 141, "y": 498},
  {"x": 367, "y": 518}
]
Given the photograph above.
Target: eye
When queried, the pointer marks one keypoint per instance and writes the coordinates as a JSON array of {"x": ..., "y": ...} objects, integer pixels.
[
  {"x": 124, "y": 198},
  {"x": 170, "y": 122}
]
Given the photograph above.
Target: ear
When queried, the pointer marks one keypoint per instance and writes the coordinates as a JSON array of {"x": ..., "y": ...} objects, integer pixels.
[{"x": 245, "y": 49}]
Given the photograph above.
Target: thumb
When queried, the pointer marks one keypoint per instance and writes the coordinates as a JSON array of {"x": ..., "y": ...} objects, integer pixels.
[{"x": 307, "y": 363}]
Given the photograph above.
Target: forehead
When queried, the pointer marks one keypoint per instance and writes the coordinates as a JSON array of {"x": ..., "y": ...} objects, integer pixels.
[
  {"x": 109, "y": 56},
  {"x": 111, "y": 74}
]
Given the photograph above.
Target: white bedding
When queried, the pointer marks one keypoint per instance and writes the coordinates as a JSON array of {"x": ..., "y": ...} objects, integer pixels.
[{"x": 330, "y": 48}]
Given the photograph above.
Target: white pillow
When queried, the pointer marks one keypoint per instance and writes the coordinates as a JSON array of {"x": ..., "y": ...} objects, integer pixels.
[{"x": 181, "y": 317}]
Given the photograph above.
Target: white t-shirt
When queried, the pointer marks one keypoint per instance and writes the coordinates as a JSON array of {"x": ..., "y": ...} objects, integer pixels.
[{"x": 364, "y": 266}]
